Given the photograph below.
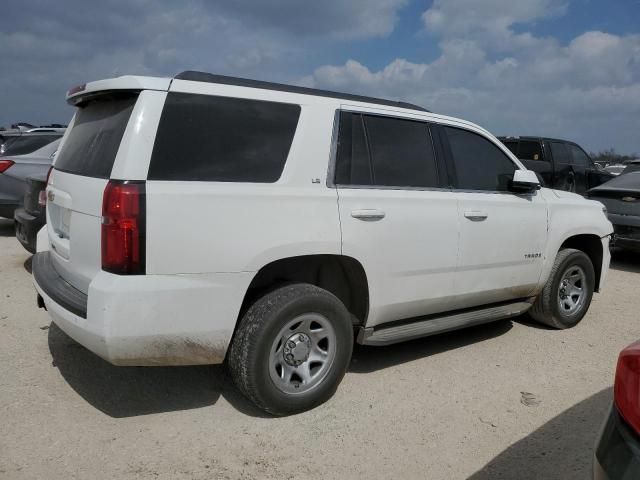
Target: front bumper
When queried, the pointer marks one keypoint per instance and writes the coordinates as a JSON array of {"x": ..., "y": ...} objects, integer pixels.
[
  {"x": 626, "y": 231},
  {"x": 141, "y": 320},
  {"x": 617, "y": 455},
  {"x": 27, "y": 227}
]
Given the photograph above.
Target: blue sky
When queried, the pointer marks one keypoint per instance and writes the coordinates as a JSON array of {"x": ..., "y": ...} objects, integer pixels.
[{"x": 563, "y": 68}]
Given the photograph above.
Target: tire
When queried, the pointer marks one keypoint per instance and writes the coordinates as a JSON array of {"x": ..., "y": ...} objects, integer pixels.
[
  {"x": 553, "y": 307},
  {"x": 267, "y": 355}
]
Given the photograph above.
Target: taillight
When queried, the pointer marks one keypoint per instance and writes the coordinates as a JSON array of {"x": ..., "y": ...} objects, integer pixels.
[
  {"x": 42, "y": 195},
  {"x": 627, "y": 385},
  {"x": 4, "y": 164},
  {"x": 123, "y": 227}
]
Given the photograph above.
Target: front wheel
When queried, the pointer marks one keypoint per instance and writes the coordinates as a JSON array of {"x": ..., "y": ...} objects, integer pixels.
[
  {"x": 291, "y": 349},
  {"x": 566, "y": 297}
]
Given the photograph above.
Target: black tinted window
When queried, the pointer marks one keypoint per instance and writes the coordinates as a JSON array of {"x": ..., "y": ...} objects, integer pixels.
[
  {"x": 561, "y": 153},
  {"x": 479, "y": 164},
  {"x": 353, "y": 166},
  {"x": 219, "y": 139},
  {"x": 92, "y": 145},
  {"x": 26, "y": 144},
  {"x": 530, "y": 150},
  {"x": 511, "y": 145},
  {"x": 578, "y": 156},
  {"x": 393, "y": 152},
  {"x": 401, "y": 152}
]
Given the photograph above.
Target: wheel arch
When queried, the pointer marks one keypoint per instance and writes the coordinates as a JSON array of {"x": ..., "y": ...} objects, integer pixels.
[
  {"x": 591, "y": 245},
  {"x": 341, "y": 275}
]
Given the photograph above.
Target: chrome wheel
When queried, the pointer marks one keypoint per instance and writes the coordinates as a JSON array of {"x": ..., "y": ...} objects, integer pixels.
[
  {"x": 572, "y": 290},
  {"x": 302, "y": 353}
]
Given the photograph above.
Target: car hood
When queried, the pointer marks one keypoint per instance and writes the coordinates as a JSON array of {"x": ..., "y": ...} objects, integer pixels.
[{"x": 627, "y": 182}]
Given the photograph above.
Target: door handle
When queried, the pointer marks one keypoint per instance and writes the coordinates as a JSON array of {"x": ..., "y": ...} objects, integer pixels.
[
  {"x": 476, "y": 215},
  {"x": 368, "y": 214}
]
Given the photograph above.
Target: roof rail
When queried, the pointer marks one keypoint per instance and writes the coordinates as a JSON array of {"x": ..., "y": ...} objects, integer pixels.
[{"x": 281, "y": 87}]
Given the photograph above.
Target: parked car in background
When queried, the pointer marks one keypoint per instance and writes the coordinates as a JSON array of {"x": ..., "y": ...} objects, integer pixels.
[
  {"x": 328, "y": 218},
  {"x": 26, "y": 143},
  {"x": 31, "y": 217},
  {"x": 621, "y": 197},
  {"x": 631, "y": 166},
  {"x": 14, "y": 171},
  {"x": 617, "y": 453},
  {"x": 615, "y": 169},
  {"x": 561, "y": 164}
]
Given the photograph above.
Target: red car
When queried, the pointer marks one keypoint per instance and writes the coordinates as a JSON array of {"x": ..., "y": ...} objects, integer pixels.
[{"x": 617, "y": 455}]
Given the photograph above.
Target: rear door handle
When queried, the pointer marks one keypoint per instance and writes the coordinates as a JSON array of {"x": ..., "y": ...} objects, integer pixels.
[
  {"x": 368, "y": 214},
  {"x": 476, "y": 215}
]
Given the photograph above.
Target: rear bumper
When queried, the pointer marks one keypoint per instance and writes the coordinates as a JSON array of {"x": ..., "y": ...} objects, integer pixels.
[
  {"x": 27, "y": 227},
  {"x": 147, "y": 319},
  {"x": 8, "y": 208},
  {"x": 617, "y": 455}
]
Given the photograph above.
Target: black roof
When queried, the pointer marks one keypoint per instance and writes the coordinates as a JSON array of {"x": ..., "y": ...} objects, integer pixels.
[
  {"x": 525, "y": 137},
  {"x": 281, "y": 87}
]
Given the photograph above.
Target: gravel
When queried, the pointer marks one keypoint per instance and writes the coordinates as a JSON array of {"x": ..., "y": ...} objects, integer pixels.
[{"x": 505, "y": 400}]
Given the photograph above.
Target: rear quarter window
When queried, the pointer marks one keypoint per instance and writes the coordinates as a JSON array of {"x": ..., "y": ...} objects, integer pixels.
[
  {"x": 221, "y": 139},
  {"x": 93, "y": 142}
]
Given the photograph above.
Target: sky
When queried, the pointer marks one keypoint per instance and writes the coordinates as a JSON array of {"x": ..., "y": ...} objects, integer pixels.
[{"x": 562, "y": 68}]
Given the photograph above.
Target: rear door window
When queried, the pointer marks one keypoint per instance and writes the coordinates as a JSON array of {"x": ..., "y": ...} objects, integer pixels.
[
  {"x": 353, "y": 166},
  {"x": 222, "y": 139},
  {"x": 385, "y": 151},
  {"x": 479, "y": 164},
  {"x": 93, "y": 142}
]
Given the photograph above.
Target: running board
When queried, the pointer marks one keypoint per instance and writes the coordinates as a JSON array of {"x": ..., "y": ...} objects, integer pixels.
[{"x": 425, "y": 326}]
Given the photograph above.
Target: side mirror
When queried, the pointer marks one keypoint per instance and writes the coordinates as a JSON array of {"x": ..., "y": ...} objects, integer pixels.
[{"x": 524, "y": 181}]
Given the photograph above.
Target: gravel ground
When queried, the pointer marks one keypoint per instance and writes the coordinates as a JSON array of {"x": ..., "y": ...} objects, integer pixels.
[{"x": 506, "y": 400}]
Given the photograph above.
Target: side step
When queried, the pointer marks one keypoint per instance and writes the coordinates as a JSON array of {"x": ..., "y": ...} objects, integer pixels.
[{"x": 425, "y": 326}]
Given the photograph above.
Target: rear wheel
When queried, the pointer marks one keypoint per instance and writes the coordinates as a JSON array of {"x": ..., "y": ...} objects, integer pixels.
[
  {"x": 566, "y": 297},
  {"x": 291, "y": 349}
]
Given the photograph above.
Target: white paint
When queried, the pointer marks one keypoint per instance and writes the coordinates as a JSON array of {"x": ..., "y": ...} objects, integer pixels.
[{"x": 423, "y": 251}]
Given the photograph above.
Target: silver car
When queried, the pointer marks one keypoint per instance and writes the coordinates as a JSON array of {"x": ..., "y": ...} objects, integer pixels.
[{"x": 14, "y": 171}]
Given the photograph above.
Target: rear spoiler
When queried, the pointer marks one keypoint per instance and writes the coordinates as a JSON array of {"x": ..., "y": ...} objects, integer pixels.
[{"x": 80, "y": 93}]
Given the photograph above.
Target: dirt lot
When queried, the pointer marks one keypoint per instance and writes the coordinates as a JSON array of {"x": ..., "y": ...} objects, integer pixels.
[{"x": 446, "y": 407}]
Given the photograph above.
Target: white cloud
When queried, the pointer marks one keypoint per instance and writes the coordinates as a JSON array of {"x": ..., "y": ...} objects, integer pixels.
[
  {"x": 513, "y": 83},
  {"x": 490, "y": 21},
  {"x": 352, "y": 19}
]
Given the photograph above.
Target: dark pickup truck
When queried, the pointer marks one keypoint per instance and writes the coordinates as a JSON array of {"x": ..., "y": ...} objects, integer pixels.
[{"x": 560, "y": 164}]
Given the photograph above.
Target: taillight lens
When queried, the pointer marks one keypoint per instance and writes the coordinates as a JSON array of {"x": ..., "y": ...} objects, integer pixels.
[
  {"x": 42, "y": 196},
  {"x": 627, "y": 385},
  {"x": 123, "y": 227},
  {"x": 5, "y": 164}
]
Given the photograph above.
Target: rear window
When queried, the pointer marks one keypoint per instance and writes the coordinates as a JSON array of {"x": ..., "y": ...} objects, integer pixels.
[
  {"x": 26, "y": 144},
  {"x": 220, "y": 139},
  {"x": 93, "y": 142}
]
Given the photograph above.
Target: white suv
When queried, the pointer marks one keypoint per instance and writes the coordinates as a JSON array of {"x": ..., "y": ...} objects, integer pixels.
[{"x": 205, "y": 219}]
